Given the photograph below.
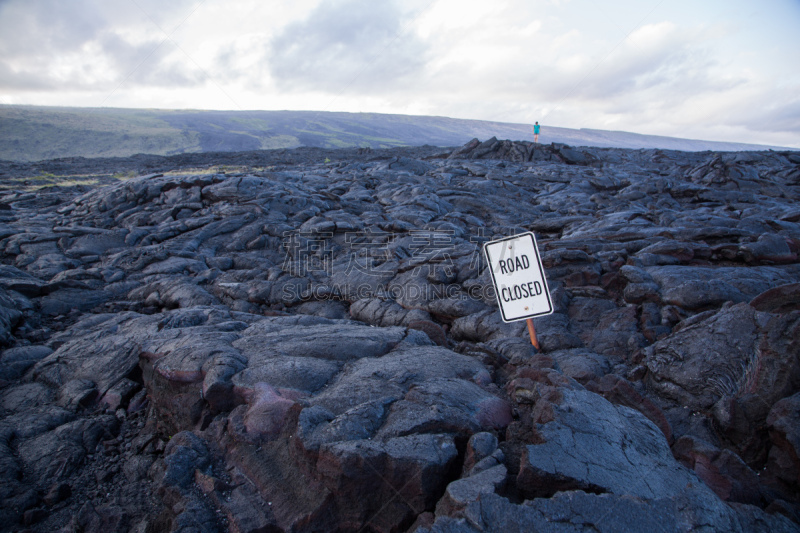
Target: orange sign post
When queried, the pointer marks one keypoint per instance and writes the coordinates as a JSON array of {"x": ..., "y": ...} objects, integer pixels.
[{"x": 532, "y": 333}]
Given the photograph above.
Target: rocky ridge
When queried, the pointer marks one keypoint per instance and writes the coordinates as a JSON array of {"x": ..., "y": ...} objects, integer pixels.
[{"x": 311, "y": 343}]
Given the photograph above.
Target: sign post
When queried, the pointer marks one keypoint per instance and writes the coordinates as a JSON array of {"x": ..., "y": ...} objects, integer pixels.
[
  {"x": 519, "y": 280},
  {"x": 532, "y": 333}
]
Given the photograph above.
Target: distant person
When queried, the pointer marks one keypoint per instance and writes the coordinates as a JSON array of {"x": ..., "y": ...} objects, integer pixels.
[{"x": 536, "y": 132}]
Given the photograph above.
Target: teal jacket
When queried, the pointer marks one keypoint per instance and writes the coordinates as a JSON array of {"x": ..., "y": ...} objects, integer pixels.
[{"x": 536, "y": 129}]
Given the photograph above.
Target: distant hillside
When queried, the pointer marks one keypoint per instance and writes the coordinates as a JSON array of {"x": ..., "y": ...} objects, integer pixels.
[{"x": 31, "y": 133}]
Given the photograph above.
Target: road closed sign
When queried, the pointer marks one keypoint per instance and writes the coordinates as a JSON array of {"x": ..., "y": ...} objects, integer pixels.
[{"x": 518, "y": 277}]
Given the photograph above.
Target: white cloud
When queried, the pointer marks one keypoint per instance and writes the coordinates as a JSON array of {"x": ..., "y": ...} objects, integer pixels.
[
  {"x": 651, "y": 35},
  {"x": 353, "y": 45}
]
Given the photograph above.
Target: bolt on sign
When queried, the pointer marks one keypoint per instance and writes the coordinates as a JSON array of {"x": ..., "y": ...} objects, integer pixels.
[{"x": 518, "y": 277}]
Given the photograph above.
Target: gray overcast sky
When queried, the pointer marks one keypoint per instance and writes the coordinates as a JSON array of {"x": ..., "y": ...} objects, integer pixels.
[{"x": 705, "y": 69}]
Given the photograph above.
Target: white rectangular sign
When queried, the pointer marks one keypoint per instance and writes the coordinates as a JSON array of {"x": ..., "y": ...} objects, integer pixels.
[{"x": 518, "y": 277}]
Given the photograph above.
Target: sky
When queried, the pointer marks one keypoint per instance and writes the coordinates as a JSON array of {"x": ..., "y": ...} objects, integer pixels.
[{"x": 700, "y": 69}]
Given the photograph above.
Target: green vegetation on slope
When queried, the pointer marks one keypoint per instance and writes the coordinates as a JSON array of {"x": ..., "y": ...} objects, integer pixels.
[{"x": 29, "y": 133}]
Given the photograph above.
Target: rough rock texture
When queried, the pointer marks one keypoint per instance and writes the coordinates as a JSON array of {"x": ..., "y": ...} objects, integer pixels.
[
  {"x": 591, "y": 445},
  {"x": 309, "y": 341}
]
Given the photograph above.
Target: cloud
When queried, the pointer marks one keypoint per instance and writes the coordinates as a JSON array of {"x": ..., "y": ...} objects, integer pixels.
[
  {"x": 780, "y": 117},
  {"x": 49, "y": 45},
  {"x": 153, "y": 63},
  {"x": 566, "y": 74},
  {"x": 31, "y": 29},
  {"x": 354, "y": 45},
  {"x": 654, "y": 58},
  {"x": 16, "y": 80}
]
